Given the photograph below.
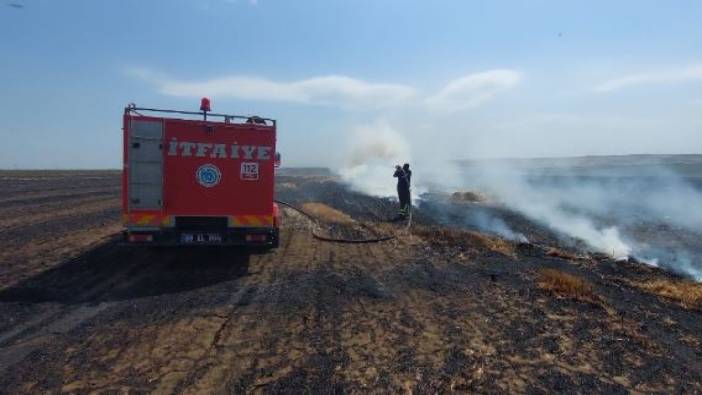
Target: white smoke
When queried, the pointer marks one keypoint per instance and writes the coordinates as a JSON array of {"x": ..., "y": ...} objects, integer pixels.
[
  {"x": 604, "y": 211},
  {"x": 372, "y": 152},
  {"x": 645, "y": 211},
  {"x": 492, "y": 224},
  {"x": 553, "y": 208}
]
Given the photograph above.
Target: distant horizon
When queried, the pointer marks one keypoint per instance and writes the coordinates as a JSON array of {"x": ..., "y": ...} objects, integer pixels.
[{"x": 453, "y": 160}]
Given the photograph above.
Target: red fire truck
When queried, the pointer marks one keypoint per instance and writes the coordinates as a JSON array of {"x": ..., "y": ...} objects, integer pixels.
[{"x": 190, "y": 180}]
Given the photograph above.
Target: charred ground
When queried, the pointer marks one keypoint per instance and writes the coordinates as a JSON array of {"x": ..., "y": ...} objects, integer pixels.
[{"x": 438, "y": 308}]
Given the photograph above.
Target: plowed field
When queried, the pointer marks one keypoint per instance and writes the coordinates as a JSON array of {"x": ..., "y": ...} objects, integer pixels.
[{"x": 434, "y": 310}]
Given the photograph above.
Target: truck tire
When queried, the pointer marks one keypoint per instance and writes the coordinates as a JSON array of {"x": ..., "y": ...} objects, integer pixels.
[{"x": 276, "y": 240}]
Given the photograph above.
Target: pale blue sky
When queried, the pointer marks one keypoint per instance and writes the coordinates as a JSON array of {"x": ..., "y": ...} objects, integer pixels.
[{"x": 449, "y": 78}]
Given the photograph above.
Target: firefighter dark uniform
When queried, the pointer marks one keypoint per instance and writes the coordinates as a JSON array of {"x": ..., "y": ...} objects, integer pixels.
[{"x": 404, "y": 177}]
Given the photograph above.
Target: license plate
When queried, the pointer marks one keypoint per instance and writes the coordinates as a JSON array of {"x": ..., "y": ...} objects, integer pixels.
[{"x": 200, "y": 238}]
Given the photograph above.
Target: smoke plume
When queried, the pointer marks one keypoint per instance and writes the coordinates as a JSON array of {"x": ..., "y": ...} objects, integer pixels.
[
  {"x": 372, "y": 152},
  {"x": 620, "y": 206}
]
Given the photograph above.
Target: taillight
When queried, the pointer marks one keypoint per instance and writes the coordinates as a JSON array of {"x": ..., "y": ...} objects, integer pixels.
[
  {"x": 256, "y": 238},
  {"x": 140, "y": 238}
]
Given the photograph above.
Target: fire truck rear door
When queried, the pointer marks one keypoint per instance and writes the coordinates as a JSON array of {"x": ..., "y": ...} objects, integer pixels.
[{"x": 146, "y": 165}]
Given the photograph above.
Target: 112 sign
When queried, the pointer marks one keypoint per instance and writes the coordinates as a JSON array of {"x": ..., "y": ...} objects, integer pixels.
[{"x": 249, "y": 171}]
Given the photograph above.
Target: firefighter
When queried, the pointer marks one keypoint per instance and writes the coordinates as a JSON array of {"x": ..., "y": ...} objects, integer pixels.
[{"x": 404, "y": 177}]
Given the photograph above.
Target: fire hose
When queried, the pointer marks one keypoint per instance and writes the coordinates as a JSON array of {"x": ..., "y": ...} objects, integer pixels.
[{"x": 317, "y": 236}]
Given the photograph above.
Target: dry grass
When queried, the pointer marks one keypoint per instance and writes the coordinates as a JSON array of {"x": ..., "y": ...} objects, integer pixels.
[
  {"x": 685, "y": 292},
  {"x": 327, "y": 214},
  {"x": 474, "y": 242},
  {"x": 565, "y": 284},
  {"x": 468, "y": 196},
  {"x": 690, "y": 340},
  {"x": 558, "y": 253},
  {"x": 494, "y": 244}
]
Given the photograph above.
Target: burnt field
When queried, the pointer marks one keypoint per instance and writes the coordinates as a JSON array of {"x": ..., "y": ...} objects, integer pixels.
[{"x": 439, "y": 308}]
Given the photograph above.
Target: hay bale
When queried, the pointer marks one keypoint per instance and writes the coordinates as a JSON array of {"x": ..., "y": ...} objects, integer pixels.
[{"x": 468, "y": 197}]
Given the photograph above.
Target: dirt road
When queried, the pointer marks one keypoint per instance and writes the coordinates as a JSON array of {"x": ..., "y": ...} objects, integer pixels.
[{"x": 433, "y": 310}]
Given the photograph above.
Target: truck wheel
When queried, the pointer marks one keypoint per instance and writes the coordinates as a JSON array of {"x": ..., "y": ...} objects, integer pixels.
[{"x": 276, "y": 239}]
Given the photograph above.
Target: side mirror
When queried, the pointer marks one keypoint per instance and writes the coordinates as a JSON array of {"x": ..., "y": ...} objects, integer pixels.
[{"x": 277, "y": 160}]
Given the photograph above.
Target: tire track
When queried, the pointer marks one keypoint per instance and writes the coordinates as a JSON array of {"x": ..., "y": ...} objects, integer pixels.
[
  {"x": 46, "y": 200},
  {"x": 20, "y": 220}
]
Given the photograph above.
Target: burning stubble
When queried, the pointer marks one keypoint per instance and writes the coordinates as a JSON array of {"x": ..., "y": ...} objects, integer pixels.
[
  {"x": 620, "y": 210},
  {"x": 619, "y": 206}
]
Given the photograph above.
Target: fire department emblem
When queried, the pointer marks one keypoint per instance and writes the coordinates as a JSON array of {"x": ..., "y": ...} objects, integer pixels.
[{"x": 208, "y": 175}]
